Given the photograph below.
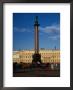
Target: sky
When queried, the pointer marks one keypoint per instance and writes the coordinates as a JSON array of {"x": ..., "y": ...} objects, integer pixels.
[{"x": 23, "y": 30}]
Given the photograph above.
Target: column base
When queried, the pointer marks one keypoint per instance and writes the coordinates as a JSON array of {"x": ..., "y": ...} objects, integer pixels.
[{"x": 36, "y": 60}]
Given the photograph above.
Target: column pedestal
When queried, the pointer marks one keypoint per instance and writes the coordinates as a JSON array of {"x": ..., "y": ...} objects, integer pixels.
[{"x": 36, "y": 60}]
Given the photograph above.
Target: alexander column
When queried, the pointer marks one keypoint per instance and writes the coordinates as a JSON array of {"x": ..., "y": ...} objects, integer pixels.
[{"x": 36, "y": 56}]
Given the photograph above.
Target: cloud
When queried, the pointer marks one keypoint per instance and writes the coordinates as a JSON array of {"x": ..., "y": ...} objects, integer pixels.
[
  {"x": 56, "y": 37},
  {"x": 21, "y": 30},
  {"x": 52, "y": 31}
]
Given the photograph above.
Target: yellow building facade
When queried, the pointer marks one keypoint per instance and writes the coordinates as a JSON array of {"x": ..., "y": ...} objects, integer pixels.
[{"x": 47, "y": 56}]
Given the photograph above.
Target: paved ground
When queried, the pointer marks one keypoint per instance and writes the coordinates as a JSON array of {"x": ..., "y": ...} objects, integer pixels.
[{"x": 37, "y": 72}]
